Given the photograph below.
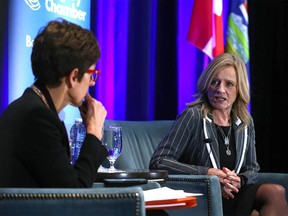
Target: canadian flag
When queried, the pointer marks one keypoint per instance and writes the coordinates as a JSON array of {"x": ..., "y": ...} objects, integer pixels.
[{"x": 206, "y": 27}]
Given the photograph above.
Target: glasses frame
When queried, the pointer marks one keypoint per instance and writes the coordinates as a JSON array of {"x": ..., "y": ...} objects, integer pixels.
[{"x": 95, "y": 74}]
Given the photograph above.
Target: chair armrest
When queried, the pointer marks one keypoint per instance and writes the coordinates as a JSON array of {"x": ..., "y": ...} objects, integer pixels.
[
  {"x": 208, "y": 204},
  {"x": 72, "y": 202}
]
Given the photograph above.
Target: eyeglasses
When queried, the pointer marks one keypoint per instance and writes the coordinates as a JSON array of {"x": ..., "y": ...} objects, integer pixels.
[{"x": 94, "y": 74}]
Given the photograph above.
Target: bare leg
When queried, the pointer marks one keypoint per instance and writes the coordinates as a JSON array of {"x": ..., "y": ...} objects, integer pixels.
[{"x": 271, "y": 200}]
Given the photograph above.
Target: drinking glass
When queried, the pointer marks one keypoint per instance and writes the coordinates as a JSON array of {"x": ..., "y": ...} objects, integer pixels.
[{"x": 112, "y": 140}]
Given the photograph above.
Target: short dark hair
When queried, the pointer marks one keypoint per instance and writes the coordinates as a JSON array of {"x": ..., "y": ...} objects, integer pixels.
[{"x": 60, "y": 47}]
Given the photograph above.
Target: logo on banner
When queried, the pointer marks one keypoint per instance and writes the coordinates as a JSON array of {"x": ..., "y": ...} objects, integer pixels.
[
  {"x": 60, "y": 7},
  {"x": 33, "y": 4},
  {"x": 63, "y": 9}
]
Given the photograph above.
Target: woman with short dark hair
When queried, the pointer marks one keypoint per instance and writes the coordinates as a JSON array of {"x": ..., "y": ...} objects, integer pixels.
[{"x": 34, "y": 143}]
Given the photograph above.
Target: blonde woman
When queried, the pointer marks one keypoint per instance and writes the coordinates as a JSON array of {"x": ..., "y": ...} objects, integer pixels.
[{"x": 215, "y": 136}]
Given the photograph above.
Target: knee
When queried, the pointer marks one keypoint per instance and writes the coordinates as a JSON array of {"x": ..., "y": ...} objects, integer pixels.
[
  {"x": 272, "y": 191},
  {"x": 279, "y": 190}
]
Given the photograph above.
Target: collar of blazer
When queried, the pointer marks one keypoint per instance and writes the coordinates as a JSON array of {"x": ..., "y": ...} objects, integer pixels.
[{"x": 236, "y": 120}]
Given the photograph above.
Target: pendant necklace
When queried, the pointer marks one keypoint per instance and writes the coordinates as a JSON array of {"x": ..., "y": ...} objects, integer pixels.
[{"x": 226, "y": 139}]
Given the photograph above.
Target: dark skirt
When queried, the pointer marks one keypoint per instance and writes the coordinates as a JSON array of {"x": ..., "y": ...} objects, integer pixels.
[{"x": 243, "y": 202}]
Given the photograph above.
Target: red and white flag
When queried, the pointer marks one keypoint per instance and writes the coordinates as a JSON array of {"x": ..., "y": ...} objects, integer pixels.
[{"x": 206, "y": 27}]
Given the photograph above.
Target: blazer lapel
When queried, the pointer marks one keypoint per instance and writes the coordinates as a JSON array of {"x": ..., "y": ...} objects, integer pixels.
[
  {"x": 241, "y": 144},
  {"x": 212, "y": 148}
]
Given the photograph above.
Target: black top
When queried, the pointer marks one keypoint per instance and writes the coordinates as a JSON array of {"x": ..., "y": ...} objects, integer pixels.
[
  {"x": 34, "y": 148},
  {"x": 226, "y": 160}
]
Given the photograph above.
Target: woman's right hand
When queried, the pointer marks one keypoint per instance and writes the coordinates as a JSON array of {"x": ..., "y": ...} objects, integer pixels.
[
  {"x": 226, "y": 187},
  {"x": 94, "y": 117}
]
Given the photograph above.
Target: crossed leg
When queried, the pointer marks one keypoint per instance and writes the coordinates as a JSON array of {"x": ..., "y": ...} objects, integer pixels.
[{"x": 271, "y": 200}]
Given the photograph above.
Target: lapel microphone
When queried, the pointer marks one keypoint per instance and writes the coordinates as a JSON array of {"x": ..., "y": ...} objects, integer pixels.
[{"x": 208, "y": 141}]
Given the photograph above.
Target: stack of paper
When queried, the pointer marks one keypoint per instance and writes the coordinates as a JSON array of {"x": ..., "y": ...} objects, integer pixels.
[{"x": 164, "y": 197}]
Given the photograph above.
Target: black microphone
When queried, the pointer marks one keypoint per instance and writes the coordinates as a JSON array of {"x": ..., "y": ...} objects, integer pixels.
[{"x": 208, "y": 141}]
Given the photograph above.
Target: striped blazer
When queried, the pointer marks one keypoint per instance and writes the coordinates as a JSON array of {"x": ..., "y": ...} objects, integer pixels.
[{"x": 184, "y": 148}]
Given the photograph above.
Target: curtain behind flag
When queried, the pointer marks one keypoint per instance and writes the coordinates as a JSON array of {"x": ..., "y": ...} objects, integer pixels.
[
  {"x": 206, "y": 27},
  {"x": 237, "y": 41}
]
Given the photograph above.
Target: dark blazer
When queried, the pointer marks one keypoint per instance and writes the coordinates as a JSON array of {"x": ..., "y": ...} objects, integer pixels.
[
  {"x": 184, "y": 148},
  {"x": 34, "y": 147}
]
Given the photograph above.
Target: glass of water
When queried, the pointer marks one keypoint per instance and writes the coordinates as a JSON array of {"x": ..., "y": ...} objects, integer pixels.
[{"x": 112, "y": 140}]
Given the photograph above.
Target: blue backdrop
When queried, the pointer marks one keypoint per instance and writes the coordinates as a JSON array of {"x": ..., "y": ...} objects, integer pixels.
[
  {"x": 148, "y": 68},
  {"x": 25, "y": 19}
]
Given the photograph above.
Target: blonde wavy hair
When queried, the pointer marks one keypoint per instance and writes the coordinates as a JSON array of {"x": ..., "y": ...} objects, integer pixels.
[{"x": 240, "y": 106}]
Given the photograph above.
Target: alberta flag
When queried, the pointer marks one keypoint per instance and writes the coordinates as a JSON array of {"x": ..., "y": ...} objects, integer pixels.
[
  {"x": 237, "y": 31},
  {"x": 206, "y": 27}
]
